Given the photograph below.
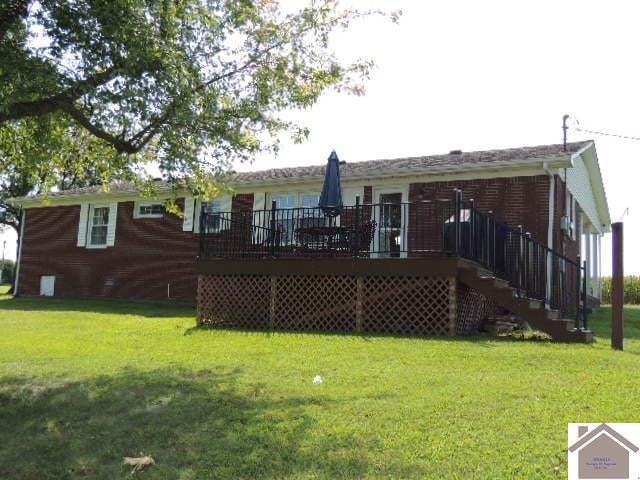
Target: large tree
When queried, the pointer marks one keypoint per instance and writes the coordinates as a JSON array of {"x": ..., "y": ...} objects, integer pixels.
[
  {"x": 192, "y": 84},
  {"x": 47, "y": 153}
]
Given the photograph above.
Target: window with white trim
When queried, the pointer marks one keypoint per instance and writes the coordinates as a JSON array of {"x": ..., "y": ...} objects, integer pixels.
[
  {"x": 98, "y": 225},
  {"x": 312, "y": 216},
  {"x": 306, "y": 213},
  {"x": 213, "y": 209},
  {"x": 149, "y": 210},
  {"x": 285, "y": 216}
]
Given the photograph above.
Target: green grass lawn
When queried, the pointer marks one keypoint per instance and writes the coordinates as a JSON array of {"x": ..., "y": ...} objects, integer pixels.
[{"x": 85, "y": 383}]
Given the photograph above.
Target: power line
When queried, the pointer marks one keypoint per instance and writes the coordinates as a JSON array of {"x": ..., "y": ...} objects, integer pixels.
[{"x": 595, "y": 132}]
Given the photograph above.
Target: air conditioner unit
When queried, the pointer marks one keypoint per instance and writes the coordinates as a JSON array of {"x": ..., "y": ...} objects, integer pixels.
[{"x": 565, "y": 223}]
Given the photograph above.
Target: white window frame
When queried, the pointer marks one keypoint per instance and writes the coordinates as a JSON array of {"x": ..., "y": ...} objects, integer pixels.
[
  {"x": 138, "y": 205},
  {"x": 290, "y": 235},
  {"x": 298, "y": 204},
  {"x": 90, "y": 225},
  {"x": 377, "y": 191},
  {"x": 214, "y": 211}
]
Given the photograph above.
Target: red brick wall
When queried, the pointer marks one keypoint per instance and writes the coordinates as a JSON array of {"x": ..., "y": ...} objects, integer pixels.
[
  {"x": 368, "y": 195},
  {"x": 242, "y": 201},
  {"x": 516, "y": 201},
  {"x": 148, "y": 254}
]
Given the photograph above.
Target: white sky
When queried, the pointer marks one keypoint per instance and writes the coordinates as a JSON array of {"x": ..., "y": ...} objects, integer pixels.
[{"x": 481, "y": 75}]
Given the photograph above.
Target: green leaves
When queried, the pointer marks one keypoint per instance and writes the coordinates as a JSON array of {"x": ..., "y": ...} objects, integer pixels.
[{"x": 192, "y": 85}]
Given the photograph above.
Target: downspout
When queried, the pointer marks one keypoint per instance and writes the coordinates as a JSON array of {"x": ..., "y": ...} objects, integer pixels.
[
  {"x": 19, "y": 261},
  {"x": 552, "y": 203},
  {"x": 550, "y": 226},
  {"x": 564, "y": 149}
]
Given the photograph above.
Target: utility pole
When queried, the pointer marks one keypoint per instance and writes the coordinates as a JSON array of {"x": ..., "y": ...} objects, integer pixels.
[{"x": 617, "y": 291}]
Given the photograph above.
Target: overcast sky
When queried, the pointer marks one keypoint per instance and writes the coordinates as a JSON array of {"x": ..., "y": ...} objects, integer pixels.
[{"x": 481, "y": 75}]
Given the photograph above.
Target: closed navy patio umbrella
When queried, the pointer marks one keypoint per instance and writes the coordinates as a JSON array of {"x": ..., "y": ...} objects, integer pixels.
[{"x": 331, "y": 197}]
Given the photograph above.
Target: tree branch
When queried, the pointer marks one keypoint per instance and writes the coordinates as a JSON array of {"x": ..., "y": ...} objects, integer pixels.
[
  {"x": 57, "y": 102},
  {"x": 121, "y": 145}
]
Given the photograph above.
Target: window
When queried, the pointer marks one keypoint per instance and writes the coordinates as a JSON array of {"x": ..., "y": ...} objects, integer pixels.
[
  {"x": 149, "y": 210},
  {"x": 285, "y": 216},
  {"x": 214, "y": 220},
  {"x": 312, "y": 216},
  {"x": 308, "y": 200},
  {"x": 296, "y": 210},
  {"x": 98, "y": 225}
]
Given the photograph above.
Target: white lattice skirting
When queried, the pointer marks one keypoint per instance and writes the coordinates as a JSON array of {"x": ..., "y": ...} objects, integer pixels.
[{"x": 374, "y": 304}]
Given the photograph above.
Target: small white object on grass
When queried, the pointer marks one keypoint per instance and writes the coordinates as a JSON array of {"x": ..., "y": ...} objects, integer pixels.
[
  {"x": 138, "y": 463},
  {"x": 317, "y": 379}
]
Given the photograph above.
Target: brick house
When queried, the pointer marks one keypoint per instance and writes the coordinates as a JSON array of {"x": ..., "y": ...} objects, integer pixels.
[{"x": 91, "y": 243}]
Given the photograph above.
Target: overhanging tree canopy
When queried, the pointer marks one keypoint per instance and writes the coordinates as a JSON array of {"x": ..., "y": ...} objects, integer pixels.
[{"x": 191, "y": 84}]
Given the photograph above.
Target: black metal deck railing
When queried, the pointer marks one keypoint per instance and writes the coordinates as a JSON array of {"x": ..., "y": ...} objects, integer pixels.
[{"x": 403, "y": 230}]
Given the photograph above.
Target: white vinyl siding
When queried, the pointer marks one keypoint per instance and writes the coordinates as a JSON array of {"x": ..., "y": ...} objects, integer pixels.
[
  {"x": 187, "y": 222},
  {"x": 258, "y": 201},
  {"x": 111, "y": 227},
  {"x": 215, "y": 206},
  {"x": 82, "y": 225},
  {"x": 349, "y": 195},
  {"x": 579, "y": 184}
]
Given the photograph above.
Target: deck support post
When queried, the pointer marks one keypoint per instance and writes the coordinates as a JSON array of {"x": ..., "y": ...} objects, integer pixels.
[
  {"x": 359, "y": 303},
  {"x": 453, "y": 307},
  {"x": 272, "y": 304},
  {"x": 617, "y": 293}
]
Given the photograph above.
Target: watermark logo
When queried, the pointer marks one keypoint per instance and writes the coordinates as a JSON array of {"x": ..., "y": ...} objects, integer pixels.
[{"x": 604, "y": 450}]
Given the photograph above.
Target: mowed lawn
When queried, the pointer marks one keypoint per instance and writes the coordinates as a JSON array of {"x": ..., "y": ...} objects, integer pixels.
[{"x": 85, "y": 383}]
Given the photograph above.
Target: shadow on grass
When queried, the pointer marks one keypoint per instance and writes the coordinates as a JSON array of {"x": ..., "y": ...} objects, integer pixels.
[
  {"x": 106, "y": 306},
  {"x": 482, "y": 339},
  {"x": 194, "y": 424},
  {"x": 599, "y": 321}
]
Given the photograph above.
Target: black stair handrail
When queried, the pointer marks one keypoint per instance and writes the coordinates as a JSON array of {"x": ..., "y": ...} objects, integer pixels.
[{"x": 531, "y": 267}]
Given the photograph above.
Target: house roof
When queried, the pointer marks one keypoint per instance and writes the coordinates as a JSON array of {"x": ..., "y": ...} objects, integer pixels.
[
  {"x": 119, "y": 187},
  {"x": 420, "y": 164},
  {"x": 405, "y": 166},
  {"x": 600, "y": 429}
]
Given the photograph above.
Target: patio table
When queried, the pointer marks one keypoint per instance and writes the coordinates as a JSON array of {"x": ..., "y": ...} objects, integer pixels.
[{"x": 319, "y": 237}]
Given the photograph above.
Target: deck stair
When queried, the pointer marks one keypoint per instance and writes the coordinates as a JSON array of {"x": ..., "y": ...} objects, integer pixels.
[
  {"x": 534, "y": 312},
  {"x": 502, "y": 324}
]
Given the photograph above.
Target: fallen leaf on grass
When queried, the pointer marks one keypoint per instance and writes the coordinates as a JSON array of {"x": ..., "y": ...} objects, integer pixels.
[{"x": 138, "y": 463}]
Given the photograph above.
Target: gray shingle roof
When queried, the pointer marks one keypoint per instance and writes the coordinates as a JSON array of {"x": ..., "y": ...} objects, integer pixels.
[
  {"x": 412, "y": 165},
  {"x": 407, "y": 165},
  {"x": 415, "y": 164},
  {"x": 115, "y": 187}
]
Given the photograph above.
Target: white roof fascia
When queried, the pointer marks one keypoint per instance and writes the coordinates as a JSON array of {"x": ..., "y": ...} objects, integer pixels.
[
  {"x": 77, "y": 198},
  {"x": 590, "y": 158}
]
